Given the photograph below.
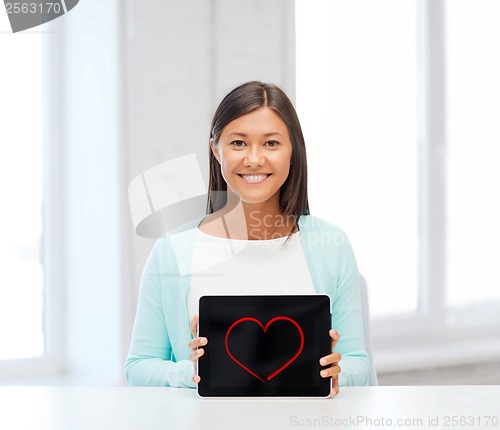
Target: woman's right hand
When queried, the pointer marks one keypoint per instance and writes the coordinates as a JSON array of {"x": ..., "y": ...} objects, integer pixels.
[{"x": 196, "y": 346}]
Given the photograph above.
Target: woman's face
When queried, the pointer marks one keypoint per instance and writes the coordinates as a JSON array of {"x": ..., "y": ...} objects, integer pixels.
[{"x": 254, "y": 152}]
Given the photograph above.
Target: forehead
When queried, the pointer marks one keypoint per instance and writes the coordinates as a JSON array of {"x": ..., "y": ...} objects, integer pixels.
[{"x": 261, "y": 121}]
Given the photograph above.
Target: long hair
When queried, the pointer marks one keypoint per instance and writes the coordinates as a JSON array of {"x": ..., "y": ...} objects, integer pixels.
[{"x": 242, "y": 100}]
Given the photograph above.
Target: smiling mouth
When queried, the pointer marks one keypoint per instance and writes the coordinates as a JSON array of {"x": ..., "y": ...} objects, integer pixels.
[{"x": 254, "y": 179}]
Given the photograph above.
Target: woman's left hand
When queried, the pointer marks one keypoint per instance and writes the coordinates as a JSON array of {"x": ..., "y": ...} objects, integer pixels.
[{"x": 332, "y": 360}]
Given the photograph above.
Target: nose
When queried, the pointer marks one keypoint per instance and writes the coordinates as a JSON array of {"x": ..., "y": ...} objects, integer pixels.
[{"x": 254, "y": 157}]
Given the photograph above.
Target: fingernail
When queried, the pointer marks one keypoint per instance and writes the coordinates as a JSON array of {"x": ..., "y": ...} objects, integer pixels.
[
  {"x": 203, "y": 340},
  {"x": 323, "y": 362},
  {"x": 199, "y": 352},
  {"x": 324, "y": 373}
]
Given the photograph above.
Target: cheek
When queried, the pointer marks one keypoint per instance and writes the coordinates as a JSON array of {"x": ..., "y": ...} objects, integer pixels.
[
  {"x": 226, "y": 163},
  {"x": 284, "y": 163},
  {"x": 227, "y": 166}
]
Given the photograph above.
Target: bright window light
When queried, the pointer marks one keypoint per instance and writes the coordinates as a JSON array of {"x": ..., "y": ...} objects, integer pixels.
[
  {"x": 21, "y": 185},
  {"x": 473, "y": 173},
  {"x": 356, "y": 98}
]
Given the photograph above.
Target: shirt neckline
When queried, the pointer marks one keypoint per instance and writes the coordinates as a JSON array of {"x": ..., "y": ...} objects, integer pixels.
[{"x": 227, "y": 239}]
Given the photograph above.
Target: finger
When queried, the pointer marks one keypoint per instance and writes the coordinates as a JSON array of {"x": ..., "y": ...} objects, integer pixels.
[
  {"x": 194, "y": 358},
  {"x": 196, "y": 378},
  {"x": 333, "y": 358},
  {"x": 330, "y": 372},
  {"x": 197, "y": 342},
  {"x": 334, "y": 334},
  {"x": 194, "y": 325},
  {"x": 196, "y": 354},
  {"x": 335, "y": 386}
]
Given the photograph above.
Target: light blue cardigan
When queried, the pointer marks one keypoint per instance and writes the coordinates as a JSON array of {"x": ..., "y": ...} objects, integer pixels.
[{"x": 159, "y": 352}]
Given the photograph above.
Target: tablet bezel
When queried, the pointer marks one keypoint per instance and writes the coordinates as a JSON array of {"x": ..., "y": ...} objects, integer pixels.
[{"x": 319, "y": 389}]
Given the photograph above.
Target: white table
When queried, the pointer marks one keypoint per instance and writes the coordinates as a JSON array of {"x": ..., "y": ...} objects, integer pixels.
[{"x": 110, "y": 408}]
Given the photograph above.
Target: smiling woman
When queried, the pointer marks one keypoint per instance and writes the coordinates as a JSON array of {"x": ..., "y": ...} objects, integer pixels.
[
  {"x": 253, "y": 167},
  {"x": 253, "y": 158},
  {"x": 252, "y": 98},
  {"x": 257, "y": 239}
]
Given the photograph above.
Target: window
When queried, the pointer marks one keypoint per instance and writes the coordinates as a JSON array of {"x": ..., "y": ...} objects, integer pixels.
[
  {"x": 356, "y": 98},
  {"x": 400, "y": 102},
  {"x": 473, "y": 173},
  {"x": 21, "y": 188}
]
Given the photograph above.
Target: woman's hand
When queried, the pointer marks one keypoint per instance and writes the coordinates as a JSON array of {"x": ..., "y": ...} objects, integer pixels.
[
  {"x": 332, "y": 360},
  {"x": 195, "y": 345}
]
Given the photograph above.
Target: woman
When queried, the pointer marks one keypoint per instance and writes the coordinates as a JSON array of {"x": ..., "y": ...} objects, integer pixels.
[{"x": 258, "y": 238}]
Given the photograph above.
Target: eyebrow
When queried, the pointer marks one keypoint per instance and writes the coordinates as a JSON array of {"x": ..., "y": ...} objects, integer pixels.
[{"x": 236, "y": 133}]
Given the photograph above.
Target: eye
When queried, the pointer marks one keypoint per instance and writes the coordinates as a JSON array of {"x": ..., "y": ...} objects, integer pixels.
[
  {"x": 238, "y": 143},
  {"x": 272, "y": 143}
]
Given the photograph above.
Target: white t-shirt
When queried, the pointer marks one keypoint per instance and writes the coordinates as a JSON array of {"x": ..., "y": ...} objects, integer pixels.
[{"x": 224, "y": 266}]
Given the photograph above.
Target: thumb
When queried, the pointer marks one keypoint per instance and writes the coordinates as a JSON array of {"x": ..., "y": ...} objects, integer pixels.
[
  {"x": 194, "y": 325},
  {"x": 335, "y": 338}
]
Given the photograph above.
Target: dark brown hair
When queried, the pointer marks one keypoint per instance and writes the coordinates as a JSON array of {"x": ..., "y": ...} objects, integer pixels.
[{"x": 241, "y": 101}]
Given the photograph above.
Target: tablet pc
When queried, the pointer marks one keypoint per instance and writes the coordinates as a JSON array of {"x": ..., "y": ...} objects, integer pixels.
[{"x": 264, "y": 346}]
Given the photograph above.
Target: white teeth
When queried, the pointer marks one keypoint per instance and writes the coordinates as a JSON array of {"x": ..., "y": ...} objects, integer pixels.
[{"x": 254, "y": 178}]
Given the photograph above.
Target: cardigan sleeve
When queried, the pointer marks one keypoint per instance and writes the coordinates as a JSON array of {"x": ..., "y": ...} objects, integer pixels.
[
  {"x": 150, "y": 361},
  {"x": 334, "y": 272},
  {"x": 347, "y": 319}
]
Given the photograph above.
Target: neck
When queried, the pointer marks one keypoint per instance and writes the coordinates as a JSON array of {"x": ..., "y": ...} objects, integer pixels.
[{"x": 258, "y": 221}]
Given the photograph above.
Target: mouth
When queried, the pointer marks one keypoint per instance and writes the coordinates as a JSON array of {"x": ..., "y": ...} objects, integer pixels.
[{"x": 254, "y": 178}]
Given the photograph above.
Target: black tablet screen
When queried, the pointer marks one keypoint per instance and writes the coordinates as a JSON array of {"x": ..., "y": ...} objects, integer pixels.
[{"x": 264, "y": 345}]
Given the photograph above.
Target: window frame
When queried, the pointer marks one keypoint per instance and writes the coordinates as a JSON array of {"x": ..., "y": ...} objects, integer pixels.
[
  {"x": 53, "y": 257},
  {"x": 406, "y": 343},
  {"x": 429, "y": 338}
]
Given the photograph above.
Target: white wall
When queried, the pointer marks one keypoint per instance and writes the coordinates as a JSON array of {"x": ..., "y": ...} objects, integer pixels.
[
  {"x": 182, "y": 58},
  {"x": 84, "y": 147},
  {"x": 93, "y": 198}
]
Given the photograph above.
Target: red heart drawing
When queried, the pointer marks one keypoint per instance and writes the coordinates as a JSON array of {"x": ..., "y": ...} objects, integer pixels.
[{"x": 264, "y": 328}]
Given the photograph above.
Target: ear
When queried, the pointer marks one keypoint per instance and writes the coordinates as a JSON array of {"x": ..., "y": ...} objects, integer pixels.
[{"x": 215, "y": 149}]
